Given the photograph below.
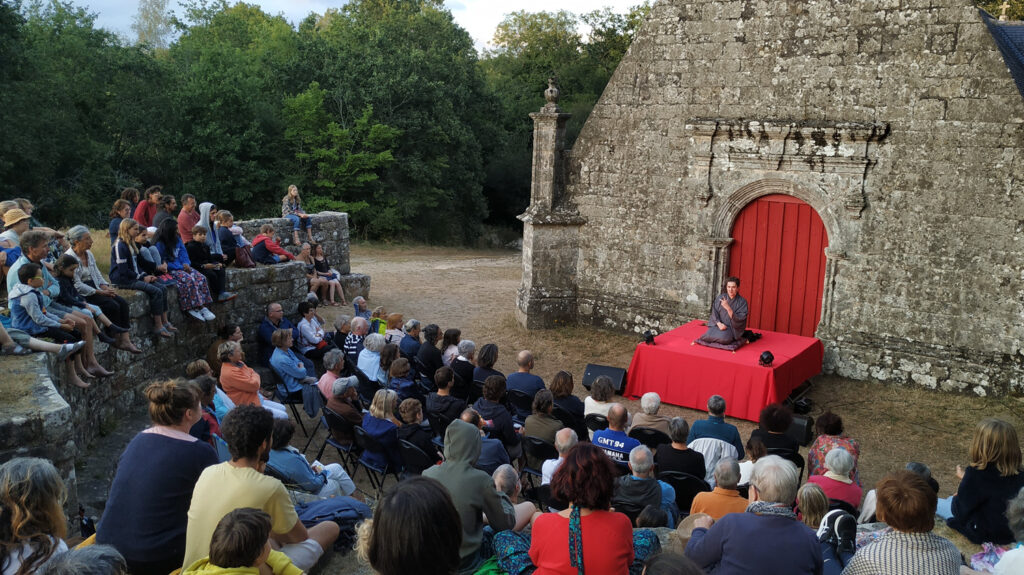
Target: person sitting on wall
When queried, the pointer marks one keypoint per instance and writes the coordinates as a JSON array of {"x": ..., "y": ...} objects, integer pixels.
[
  {"x": 266, "y": 250},
  {"x": 728, "y": 318}
]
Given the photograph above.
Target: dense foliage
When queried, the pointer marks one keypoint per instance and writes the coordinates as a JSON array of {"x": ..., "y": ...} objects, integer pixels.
[{"x": 383, "y": 108}]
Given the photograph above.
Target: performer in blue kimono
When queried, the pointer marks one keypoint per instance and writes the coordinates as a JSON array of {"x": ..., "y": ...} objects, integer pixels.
[{"x": 728, "y": 317}]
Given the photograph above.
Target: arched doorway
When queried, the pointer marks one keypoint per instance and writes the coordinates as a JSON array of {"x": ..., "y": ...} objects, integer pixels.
[{"x": 778, "y": 252}]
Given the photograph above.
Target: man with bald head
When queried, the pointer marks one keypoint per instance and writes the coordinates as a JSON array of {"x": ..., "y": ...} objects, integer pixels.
[
  {"x": 523, "y": 380},
  {"x": 614, "y": 441}
]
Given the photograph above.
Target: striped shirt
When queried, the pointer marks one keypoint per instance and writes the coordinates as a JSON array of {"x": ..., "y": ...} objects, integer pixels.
[{"x": 898, "y": 553}]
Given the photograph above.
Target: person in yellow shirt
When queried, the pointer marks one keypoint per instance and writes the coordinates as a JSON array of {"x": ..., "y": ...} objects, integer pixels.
[
  {"x": 725, "y": 498},
  {"x": 240, "y": 482},
  {"x": 241, "y": 546}
]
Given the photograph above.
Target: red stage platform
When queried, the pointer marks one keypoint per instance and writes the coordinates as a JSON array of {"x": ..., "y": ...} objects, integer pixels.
[{"x": 687, "y": 375}]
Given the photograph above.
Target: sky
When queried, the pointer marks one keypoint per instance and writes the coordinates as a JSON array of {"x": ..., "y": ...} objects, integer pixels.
[{"x": 479, "y": 17}]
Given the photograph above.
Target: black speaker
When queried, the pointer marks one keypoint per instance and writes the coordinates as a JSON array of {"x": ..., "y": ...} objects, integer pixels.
[
  {"x": 802, "y": 429},
  {"x": 618, "y": 376}
]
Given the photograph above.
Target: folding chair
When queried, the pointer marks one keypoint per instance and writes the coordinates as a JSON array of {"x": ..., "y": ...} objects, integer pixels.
[
  {"x": 539, "y": 450},
  {"x": 595, "y": 421},
  {"x": 790, "y": 455},
  {"x": 652, "y": 438},
  {"x": 377, "y": 473},
  {"x": 687, "y": 487},
  {"x": 476, "y": 391},
  {"x": 413, "y": 458},
  {"x": 293, "y": 400},
  {"x": 521, "y": 402},
  {"x": 347, "y": 453}
]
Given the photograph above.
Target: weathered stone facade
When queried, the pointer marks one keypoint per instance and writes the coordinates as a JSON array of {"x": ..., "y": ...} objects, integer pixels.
[
  {"x": 896, "y": 120},
  {"x": 42, "y": 416}
]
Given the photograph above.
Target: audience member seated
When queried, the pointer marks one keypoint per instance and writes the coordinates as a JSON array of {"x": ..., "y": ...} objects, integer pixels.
[
  {"x": 388, "y": 355},
  {"x": 211, "y": 266},
  {"x": 523, "y": 380},
  {"x": 993, "y": 477},
  {"x": 88, "y": 560},
  {"x": 450, "y": 345},
  {"x": 227, "y": 332},
  {"x": 330, "y": 290},
  {"x": 562, "y": 388},
  {"x": 614, "y": 441},
  {"x": 509, "y": 487},
  {"x": 145, "y": 513},
  {"x": 650, "y": 403},
  {"x": 146, "y": 209},
  {"x": 485, "y": 360},
  {"x": 399, "y": 380},
  {"x": 836, "y": 482},
  {"x": 599, "y": 540},
  {"x": 1013, "y": 561},
  {"x": 676, "y": 456},
  {"x": 768, "y": 537},
  {"x": 288, "y": 367},
  {"x": 428, "y": 353},
  {"x": 394, "y": 333},
  {"x": 492, "y": 451},
  {"x": 472, "y": 493},
  {"x": 600, "y": 399},
  {"x": 369, "y": 357},
  {"x": 380, "y": 424},
  {"x": 193, "y": 290},
  {"x": 92, "y": 286},
  {"x": 541, "y": 424},
  {"x": 907, "y": 504},
  {"x": 241, "y": 383},
  {"x": 121, "y": 211},
  {"x": 829, "y": 428},
  {"x": 491, "y": 408},
  {"x": 32, "y": 522},
  {"x": 342, "y": 327},
  {"x": 755, "y": 451},
  {"x": 463, "y": 367},
  {"x": 355, "y": 340},
  {"x": 378, "y": 320},
  {"x": 165, "y": 209},
  {"x": 359, "y": 304},
  {"x": 413, "y": 430},
  {"x": 670, "y": 564},
  {"x": 208, "y": 219},
  {"x": 345, "y": 402},
  {"x": 638, "y": 488},
  {"x": 442, "y": 401},
  {"x": 188, "y": 218},
  {"x": 289, "y": 463},
  {"x": 725, "y": 498},
  {"x": 222, "y": 404},
  {"x": 774, "y": 423},
  {"x": 241, "y": 544},
  {"x": 652, "y": 517},
  {"x": 417, "y": 510},
  {"x": 811, "y": 504},
  {"x": 127, "y": 273},
  {"x": 273, "y": 321},
  {"x": 266, "y": 250},
  {"x": 334, "y": 366},
  {"x": 565, "y": 440},
  {"x": 240, "y": 483},
  {"x": 313, "y": 341},
  {"x": 227, "y": 240},
  {"x": 715, "y": 426},
  {"x": 209, "y": 425},
  {"x": 410, "y": 344}
]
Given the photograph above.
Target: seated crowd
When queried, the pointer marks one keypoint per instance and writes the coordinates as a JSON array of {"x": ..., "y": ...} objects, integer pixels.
[{"x": 493, "y": 472}]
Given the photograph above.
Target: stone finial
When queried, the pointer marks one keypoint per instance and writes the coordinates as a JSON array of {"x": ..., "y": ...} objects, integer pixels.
[
  {"x": 1004, "y": 8},
  {"x": 552, "y": 93}
]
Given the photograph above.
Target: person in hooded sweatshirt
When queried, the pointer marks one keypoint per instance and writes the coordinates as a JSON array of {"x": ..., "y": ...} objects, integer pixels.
[{"x": 473, "y": 493}]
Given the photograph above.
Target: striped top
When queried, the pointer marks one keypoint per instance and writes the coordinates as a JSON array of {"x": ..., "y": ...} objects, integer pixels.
[{"x": 898, "y": 553}]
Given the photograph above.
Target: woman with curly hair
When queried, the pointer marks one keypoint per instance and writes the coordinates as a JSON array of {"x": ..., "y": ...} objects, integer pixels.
[{"x": 32, "y": 523}]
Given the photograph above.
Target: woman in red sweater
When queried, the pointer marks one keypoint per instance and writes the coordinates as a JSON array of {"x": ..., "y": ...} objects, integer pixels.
[{"x": 836, "y": 482}]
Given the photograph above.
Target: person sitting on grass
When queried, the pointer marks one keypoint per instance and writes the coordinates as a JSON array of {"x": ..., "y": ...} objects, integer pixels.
[
  {"x": 211, "y": 266},
  {"x": 267, "y": 251},
  {"x": 510, "y": 488},
  {"x": 241, "y": 546},
  {"x": 289, "y": 462}
]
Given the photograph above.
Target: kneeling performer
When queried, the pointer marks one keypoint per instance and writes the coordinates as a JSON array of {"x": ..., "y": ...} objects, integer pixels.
[{"x": 728, "y": 317}]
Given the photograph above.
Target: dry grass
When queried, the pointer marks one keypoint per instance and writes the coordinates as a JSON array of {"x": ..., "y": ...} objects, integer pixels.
[{"x": 101, "y": 250}]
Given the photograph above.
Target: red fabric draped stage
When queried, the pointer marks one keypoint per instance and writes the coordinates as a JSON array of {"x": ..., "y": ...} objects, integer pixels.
[{"x": 687, "y": 375}]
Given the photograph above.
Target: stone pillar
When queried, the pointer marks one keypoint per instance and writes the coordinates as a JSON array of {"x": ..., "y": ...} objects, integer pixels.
[{"x": 547, "y": 295}]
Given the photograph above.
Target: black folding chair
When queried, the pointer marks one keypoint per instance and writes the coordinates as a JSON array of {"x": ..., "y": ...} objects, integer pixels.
[
  {"x": 413, "y": 458},
  {"x": 652, "y": 438},
  {"x": 521, "y": 402},
  {"x": 377, "y": 473},
  {"x": 347, "y": 453},
  {"x": 536, "y": 449},
  {"x": 293, "y": 401},
  {"x": 790, "y": 455},
  {"x": 438, "y": 423},
  {"x": 687, "y": 487},
  {"x": 476, "y": 391},
  {"x": 595, "y": 422},
  {"x": 271, "y": 472}
]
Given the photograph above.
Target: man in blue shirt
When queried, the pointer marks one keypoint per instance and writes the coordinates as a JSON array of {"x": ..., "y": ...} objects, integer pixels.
[
  {"x": 524, "y": 381},
  {"x": 715, "y": 426},
  {"x": 410, "y": 344},
  {"x": 274, "y": 321},
  {"x": 614, "y": 441},
  {"x": 639, "y": 488}
]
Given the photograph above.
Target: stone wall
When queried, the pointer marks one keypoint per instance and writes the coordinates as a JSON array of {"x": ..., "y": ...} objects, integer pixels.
[
  {"x": 896, "y": 120},
  {"x": 42, "y": 416},
  {"x": 330, "y": 229}
]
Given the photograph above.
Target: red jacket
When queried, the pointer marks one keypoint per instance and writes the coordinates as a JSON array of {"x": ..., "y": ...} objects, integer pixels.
[
  {"x": 272, "y": 246},
  {"x": 144, "y": 213}
]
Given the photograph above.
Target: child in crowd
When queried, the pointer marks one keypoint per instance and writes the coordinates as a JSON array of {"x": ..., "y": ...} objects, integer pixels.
[
  {"x": 228, "y": 243},
  {"x": 127, "y": 271},
  {"x": 193, "y": 289},
  {"x": 149, "y": 256},
  {"x": 378, "y": 320},
  {"x": 266, "y": 250},
  {"x": 241, "y": 546},
  {"x": 69, "y": 297},
  {"x": 28, "y": 314},
  {"x": 211, "y": 266},
  {"x": 332, "y": 286},
  {"x": 221, "y": 403}
]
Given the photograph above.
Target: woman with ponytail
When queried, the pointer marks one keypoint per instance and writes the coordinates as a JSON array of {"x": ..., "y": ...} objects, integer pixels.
[
  {"x": 146, "y": 512},
  {"x": 32, "y": 523}
]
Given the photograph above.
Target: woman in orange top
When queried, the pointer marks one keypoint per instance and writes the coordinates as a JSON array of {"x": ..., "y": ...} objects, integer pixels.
[{"x": 241, "y": 382}]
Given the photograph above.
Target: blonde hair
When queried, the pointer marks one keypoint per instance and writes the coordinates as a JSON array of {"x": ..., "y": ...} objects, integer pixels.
[
  {"x": 395, "y": 321},
  {"x": 995, "y": 442},
  {"x": 813, "y": 504},
  {"x": 378, "y": 312},
  {"x": 170, "y": 400},
  {"x": 7, "y": 205},
  {"x": 32, "y": 496},
  {"x": 223, "y": 216},
  {"x": 123, "y": 235},
  {"x": 383, "y": 404},
  {"x": 288, "y": 194},
  {"x": 196, "y": 368}
]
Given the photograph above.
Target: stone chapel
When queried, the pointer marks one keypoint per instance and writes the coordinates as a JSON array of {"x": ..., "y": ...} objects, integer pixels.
[{"x": 859, "y": 165}]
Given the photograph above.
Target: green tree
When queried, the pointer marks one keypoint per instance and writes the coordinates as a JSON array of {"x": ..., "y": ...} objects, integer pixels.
[
  {"x": 152, "y": 23},
  {"x": 1015, "y": 8}
]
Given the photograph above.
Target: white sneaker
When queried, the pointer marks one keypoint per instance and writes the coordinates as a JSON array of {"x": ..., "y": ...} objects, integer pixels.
[
  {"x": 195, "y": 313},
  {"x": 207, "y": 314}
]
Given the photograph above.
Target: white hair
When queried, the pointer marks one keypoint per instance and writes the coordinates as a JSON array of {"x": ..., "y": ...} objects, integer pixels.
[
  {"x": 374, "y": 342},
  {"x": 839, "y": 461},
  {"x": 506, "y": 479},
  {"x": 565, "y": 440},
  {"x": 727, "y": 473},
  {"x": 650, "y": 403},
  {"x": 89, "y": 560},
  {"x": 466, "y": 347},
  {"x": 641, "y": 461},
  {"x": 775, "y": 479}
]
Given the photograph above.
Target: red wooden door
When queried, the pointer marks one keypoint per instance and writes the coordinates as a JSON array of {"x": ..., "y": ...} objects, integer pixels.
[{"x": 778, "y": 252}]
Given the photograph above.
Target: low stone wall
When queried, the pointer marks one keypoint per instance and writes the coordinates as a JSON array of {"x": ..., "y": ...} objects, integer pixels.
[
  {"x": 42, "y": 416},
  {"x": 330, "y": 229}
]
